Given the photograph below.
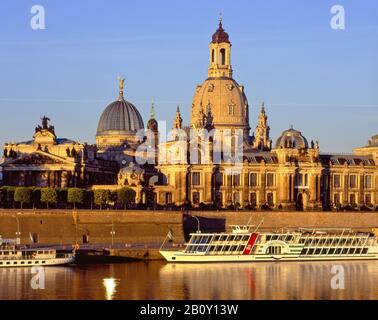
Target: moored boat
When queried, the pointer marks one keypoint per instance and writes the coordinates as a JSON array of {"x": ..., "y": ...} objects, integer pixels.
[
  {"x": 12, "y": 255},
  {"x": 244, "y": 243}
]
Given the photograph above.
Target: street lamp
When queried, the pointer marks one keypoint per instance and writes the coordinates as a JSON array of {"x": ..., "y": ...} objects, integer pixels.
[
  {"x": 112, "y": 233},
  {"x": 198, "y": 224},
  {"x": 18, "y": 233}
]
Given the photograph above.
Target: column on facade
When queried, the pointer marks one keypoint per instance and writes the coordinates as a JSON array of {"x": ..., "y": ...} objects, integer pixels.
[
  {"x": 245, "y": 187},
  {"x": 345, "y": 188},
  {"x": 361, "y": 189},
  {"x": 263, "y": 187},
  {"x": 180, "y": 186},
  {"x": 207, "y": 184}
]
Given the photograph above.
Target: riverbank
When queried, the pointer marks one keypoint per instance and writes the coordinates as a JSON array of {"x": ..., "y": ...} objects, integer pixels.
[{"x": 65, "y": 226}]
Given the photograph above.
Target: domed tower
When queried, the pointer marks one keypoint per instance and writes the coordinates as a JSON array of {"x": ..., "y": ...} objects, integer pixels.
[
  {"x": 292, "y": 139},
  {"x": 220, "y": 95},
  {"x": 119, "y": 123}
]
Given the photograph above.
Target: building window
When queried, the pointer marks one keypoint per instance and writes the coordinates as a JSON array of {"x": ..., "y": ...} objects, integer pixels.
[
  {"x": 269, "y": 179},
  {"x": 336, "y": 198},
  {"x": 236, "y": 197},
  {"x": 352, "y": 199},
  {"x": 253, "y": 199},
  {"x": 368, "y": 182},
  {"x": 302, "y": 180},
  {"x": 270, "y": 199},
  {"x": 336, "y": 181},
  {"x": 253, "y": 179},
  {"x": 196, "y": 197},
  {"x": 236, "y": 179},
  {"x": 196, "y": 178},
  {"x": 368, "y": 199},
  {"x": 353, "y": 181},
  {"x": 223, "y": 56},
  {"x": 168, "y": 198},
  {"x": 212, "y": 56}
]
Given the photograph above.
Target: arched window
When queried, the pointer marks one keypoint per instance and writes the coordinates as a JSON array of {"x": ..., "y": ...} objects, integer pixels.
[
  {"x": 223, "y": 56},
  {"x": 212, "y": 56}
]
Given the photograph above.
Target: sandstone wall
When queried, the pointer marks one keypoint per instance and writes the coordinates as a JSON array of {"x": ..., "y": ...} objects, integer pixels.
[{"x": 62, "y": 227}]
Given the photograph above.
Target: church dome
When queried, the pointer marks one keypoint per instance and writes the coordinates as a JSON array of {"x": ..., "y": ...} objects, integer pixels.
[
  {"x": 120, "y": 117},
  {"x": 292, "y": 138},
  {"x": 226, "y": 101},
  {"x": 220, "y": 35}
]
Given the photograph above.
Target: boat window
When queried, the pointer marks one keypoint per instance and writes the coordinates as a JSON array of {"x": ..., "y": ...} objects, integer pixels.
[
  {"x": 245, "y": 238},
  {"x": 205, "y": 239},
  {"x": 223, "y": 238},
  {"x": 274, "y": 250},
  {"x": 196, "y": 239}
]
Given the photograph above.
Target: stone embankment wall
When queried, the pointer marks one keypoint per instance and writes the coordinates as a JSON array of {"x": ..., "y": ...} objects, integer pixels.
[{"x": 64, "y": 226}]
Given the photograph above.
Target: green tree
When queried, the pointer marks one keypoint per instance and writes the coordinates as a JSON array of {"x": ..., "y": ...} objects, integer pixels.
[
  {"x": 75, "y": 196},
  {"x": 22, "y": 195},
  {"x": 49, "y": 196},
  {"x": 125, "y": 196},
  {"x": 101, "y": 197},
  {"x": 3, "y": 197},
  {"x": 10, "y": 196},
  {"x": 62, "y": 196},
  {"x": 36, "y": 197}
]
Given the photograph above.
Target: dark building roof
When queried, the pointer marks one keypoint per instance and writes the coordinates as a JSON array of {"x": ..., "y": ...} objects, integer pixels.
[
  {"x": 291, "y": 138},
  {"x": 220, "y": 35},
  {"x": 121, "y": 116},
  {"x": 58, "y": 141},
  {"x": 349, "y": 159}
]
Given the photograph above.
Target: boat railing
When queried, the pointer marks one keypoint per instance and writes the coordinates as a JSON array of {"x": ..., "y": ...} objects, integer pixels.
[
  {"x": 239, "y": 228},
  {"x": 325, "y": 230},
  {"x": 35, "y": 257}
]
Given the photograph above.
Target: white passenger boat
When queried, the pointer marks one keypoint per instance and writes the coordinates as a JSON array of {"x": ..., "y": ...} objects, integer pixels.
[
  {"x": 11, "y": 255},
  {"x": 244, "y": 243}
]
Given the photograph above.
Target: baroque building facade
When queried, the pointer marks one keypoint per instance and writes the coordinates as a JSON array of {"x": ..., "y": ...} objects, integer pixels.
[
  {"x": 292, "y": 174},
  {"x": 49, "y": 161},
  {"x": 214, "y": 161}
]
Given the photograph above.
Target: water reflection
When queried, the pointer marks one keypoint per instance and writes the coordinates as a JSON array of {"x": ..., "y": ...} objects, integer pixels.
[
  {"x": 110, "y": 285},
  {"x": 158, "y": 280},
  {"x": 277, "y": 280}
]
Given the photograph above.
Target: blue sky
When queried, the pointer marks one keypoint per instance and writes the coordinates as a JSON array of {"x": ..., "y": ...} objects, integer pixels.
[{"x": 323, "y": 81}]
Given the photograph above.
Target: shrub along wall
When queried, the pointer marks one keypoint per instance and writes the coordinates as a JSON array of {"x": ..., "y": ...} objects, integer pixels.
[{"x": 58, "y": 198}]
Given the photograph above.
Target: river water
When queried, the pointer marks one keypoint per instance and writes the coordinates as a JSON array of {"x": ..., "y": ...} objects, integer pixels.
[{"x": 159, "y": 280}]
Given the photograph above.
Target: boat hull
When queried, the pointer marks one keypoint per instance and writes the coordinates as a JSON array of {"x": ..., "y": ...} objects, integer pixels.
[
  {"x": 12, "y": 263},
  {"x": 182, "y": 257}
]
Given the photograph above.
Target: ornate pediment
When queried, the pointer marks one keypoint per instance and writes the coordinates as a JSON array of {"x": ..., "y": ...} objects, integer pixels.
[{"x": 37, "y": 158}]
